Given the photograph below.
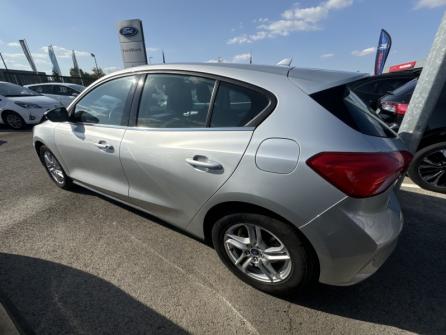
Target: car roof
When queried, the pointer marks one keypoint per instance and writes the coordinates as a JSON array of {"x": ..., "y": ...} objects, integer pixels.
[
  {"x": 46, "y": 84},
  {"x": 55, "y": 83},
  {"x": 309, "y": 80}
]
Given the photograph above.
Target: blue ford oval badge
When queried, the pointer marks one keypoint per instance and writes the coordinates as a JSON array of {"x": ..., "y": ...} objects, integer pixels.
[{"x": 128, "y": 31}]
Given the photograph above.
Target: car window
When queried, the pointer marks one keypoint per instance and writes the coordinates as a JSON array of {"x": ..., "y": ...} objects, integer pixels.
[
  {"x": 47, "y": 89},
  {"x": 37, "y": 88},
  {"x": 63, "y": 90},
  {"x": 390, "y": 85},
  {"x": 381, "y": 86},
  {"x": 344, "y": 104},
  {"x": 106, "y": 104},
  {"x": 13, "y": 90},
  {"x": 402, "y": 94},
  {"x": 174, "y": 101},
  {"x": 235, "y": 105}
]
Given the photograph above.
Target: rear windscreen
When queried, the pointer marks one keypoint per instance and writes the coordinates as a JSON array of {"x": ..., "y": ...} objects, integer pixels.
[
  {"x": 350, "y": 109},
  {"x": 403, "y": 93}
]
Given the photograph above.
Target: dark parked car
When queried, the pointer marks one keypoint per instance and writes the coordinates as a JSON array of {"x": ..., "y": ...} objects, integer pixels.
[
  {"x": 371, "y": 89},
  {"x": 428, "y": 168}
]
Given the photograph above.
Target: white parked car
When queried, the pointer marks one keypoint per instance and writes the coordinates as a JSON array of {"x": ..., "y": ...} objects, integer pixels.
[
  {"x": 20, "y": 106},
  {"x": 63, "y": 92}
]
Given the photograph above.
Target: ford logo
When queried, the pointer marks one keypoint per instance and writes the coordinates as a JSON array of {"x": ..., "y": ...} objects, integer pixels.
[{"x": 128, "y": 31}]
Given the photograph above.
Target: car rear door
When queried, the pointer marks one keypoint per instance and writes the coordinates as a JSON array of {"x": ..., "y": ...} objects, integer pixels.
[
  {"x": 90, "y": 143},
  {"x": 174, "y": 160}
]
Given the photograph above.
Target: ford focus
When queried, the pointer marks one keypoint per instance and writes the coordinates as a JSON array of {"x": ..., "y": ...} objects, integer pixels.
[{"x": 282, "y": 170}]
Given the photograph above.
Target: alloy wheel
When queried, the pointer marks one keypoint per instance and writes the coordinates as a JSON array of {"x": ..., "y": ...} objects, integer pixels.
[
  {"x": 432, "y": 168},
  {"x": 54, "y": 167},
  {"x": 258, "y": 253},
  {"x": 14, "y": 120}
]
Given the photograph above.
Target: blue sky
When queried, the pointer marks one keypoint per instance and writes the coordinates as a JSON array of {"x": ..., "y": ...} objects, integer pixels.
[{"x": 334, "y": 34}]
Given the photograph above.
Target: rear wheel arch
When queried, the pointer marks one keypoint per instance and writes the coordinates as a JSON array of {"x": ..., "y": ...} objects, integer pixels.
[{"x": 222, "y": 209}]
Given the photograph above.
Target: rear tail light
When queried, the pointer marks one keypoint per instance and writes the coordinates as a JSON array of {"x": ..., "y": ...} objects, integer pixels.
[
  {"x": 361, "y": 174},
  {"x": 394, "y": 107}
]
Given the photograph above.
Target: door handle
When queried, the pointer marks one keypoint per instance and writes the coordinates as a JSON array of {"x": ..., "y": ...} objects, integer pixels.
[
  {"x": 104, "y": 146},
  {"x": 203, "y": 162}
]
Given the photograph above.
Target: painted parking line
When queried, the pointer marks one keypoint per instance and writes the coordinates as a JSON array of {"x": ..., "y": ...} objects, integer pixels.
[{"x": 410, "y": 185}]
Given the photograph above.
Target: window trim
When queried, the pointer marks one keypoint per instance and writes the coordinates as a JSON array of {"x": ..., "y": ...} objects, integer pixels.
[
  {"x": 253, "y": 123},
  {"x": 128, "y": 102}
]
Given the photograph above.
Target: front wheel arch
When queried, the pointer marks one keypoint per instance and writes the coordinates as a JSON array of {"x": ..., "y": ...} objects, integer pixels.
[
  {"x": 37, "y": 146},
  {"x": 6, "y": 111}
]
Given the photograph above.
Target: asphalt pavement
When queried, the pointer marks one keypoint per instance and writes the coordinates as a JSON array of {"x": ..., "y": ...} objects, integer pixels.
[{"x": 77, "y": 263}]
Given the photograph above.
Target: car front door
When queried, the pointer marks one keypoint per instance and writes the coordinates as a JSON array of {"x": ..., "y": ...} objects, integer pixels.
[
  {"x": 173, "y": 159},
  {"x": 90, "y": 143}
]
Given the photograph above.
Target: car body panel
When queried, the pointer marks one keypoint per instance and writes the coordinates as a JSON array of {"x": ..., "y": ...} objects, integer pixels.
[
  {"x": 29, "y": 115},
  {"x": 89, "y": 164},
  {"x": 160, "y": 179}
]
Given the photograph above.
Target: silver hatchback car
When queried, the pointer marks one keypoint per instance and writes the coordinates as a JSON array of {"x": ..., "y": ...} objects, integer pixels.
[{"x": 282, "y": 170}]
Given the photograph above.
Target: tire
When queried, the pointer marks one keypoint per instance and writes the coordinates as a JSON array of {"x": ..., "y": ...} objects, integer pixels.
[
  {"x": 428, "y": 168},
  {"x": 13, "y": 120},
  {"x": 290, "y": 275},
  {"x": 54, "y": 169}
]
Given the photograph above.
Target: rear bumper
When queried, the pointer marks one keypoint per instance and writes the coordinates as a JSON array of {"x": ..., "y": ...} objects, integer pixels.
[{"x": 354, "y": 238}]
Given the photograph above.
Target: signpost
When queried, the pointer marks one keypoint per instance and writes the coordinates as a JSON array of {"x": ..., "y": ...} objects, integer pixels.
[
  {"x": 28, "y": 56},
  {"x": 131, "y": 39},
  {"x": 427, "y": 91}
]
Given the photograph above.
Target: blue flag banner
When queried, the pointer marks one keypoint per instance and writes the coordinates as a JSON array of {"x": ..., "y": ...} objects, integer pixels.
[{"x": 384, "y": 45}]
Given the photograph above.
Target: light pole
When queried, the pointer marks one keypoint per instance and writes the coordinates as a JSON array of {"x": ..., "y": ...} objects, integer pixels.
[
  {"x": 6, "y": 68},
  {"x": 95, "y": 63}
]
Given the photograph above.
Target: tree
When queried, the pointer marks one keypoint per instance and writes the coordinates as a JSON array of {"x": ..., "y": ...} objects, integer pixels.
[
  {"x": 97, "y": 73},
  {"x": 56, "y": 76}
]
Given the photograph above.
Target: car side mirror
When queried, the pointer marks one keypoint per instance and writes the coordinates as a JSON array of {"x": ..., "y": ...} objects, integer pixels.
[
  {"x": 59, "y": 114},
  {"x": 74, "y": 94}
]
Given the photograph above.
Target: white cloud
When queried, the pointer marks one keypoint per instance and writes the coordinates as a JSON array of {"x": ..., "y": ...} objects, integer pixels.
[
  {"x": 217, "y": 60},
  {"x": 328, "y": 55},
  {"x": 13, "y": 44},
  {"x": 64, "y": 52},
  {"x": 110, "y": 69},
  {"x": 429, "y": 3},
  {"x": 241, "y": 58},
  {"x": 293, "y": 20},
  {"x": 364, "y": 52}
]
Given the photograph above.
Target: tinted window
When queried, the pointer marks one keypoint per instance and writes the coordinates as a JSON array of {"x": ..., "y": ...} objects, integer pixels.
[
  {"x": 106, "y": 104},
  {"x": 47, "y": 89},
  {"x": 174, "y": 101},
  {"x": 63, "y": 90},
  {"x": 38, "y": 89},
  {"x": 403, "y": 93},
  {"x": 13, "y": 90},
  {"x": 381, "y": 86},
  {"x": 346, "y": 106},
  {"x": 235, "y": 105}
]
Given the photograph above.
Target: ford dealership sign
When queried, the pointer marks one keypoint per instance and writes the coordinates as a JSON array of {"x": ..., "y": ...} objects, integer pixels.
[{"x": 131, "y": 39}]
